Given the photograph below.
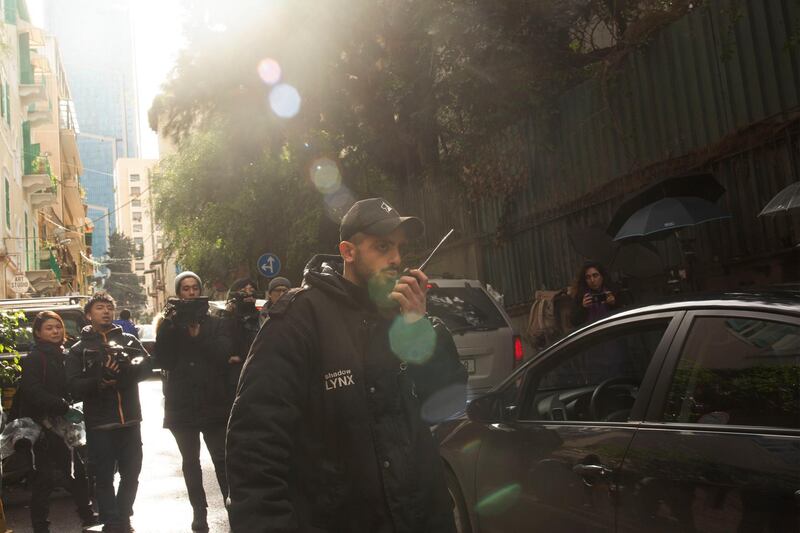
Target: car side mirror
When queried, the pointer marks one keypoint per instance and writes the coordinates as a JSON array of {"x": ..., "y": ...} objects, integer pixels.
[{"x": 487, "y": 409}]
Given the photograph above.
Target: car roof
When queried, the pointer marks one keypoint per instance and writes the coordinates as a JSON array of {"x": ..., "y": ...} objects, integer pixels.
[
  {"x": 445, "y": 283},
  {"x": 785, "y": 299},
  {"x": 57, "y": 303}
]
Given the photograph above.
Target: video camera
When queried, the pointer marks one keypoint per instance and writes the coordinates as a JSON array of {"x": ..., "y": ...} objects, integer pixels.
[
  {"x": 124, "y": 356},
  {"x": 185, "y": 312}
]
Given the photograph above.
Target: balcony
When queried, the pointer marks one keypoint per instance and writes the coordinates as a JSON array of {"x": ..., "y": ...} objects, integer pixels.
[
  {"x": 30, "y": 93},
  {"x": 39, "y": 117},
  {"x": 42, "y": 199}
]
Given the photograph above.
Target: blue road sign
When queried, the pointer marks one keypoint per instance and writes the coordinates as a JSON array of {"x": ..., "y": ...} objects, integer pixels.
[{"x": 269, "y": 265}]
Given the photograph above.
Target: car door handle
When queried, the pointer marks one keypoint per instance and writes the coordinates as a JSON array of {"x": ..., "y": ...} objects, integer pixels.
[{"x": 591, "y": 471}]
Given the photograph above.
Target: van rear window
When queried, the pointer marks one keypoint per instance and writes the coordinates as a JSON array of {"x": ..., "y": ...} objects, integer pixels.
[{"x": 464, "y": 309}]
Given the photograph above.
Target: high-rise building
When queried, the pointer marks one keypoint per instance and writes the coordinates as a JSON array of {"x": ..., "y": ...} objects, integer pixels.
[{"x": 97, "y": 48}]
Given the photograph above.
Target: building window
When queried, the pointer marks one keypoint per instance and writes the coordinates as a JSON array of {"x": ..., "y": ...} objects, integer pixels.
[
  {"x": 136, "y": 203},
  {"x": 137, "y": 216},
  {"x": 8, "y": 203},
  {"x": 134, "y": 177},
  {"x": 135, "y": 191},
  {"x": 137, "y": 228},
  {"x": 27, "y": 245},
  {"x": 142, "y": 280},
  {"x": 140, "y": 265}
]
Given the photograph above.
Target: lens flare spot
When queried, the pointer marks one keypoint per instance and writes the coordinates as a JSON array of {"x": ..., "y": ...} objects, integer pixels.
[
  {"x": 472, "y": 446},
  {"x": 499, "y": 501},
  {"x": 269, "y": 71},
  {"x": 413, "y": 343},
  {"x": 325, "y": 175},
  {"x": 285, "y": 100},
  {"x": 337, "y": 204},
  {"x": 445, "y": 403}
]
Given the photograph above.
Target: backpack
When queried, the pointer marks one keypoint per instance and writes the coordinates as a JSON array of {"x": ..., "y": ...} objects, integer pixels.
[{"x": 549, "y": 318}]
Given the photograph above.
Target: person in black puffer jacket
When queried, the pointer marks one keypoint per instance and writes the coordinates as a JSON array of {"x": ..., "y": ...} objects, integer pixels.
[
  {"x": 330, "y": 429},
  {"x": 43, "y": 396},
  {"x": 196, "y": 393},
  {"x": 112, "y": 412}
]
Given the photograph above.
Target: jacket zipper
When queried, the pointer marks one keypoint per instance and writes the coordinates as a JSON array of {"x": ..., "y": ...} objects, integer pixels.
[{"x": 119, "y": 396}]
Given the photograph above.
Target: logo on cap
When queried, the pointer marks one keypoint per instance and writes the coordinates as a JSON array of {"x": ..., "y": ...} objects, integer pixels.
[{"x": 386, "y": 207}]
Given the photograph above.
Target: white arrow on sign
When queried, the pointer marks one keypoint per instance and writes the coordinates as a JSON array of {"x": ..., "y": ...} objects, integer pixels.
[{"x": 269, "y": 266}]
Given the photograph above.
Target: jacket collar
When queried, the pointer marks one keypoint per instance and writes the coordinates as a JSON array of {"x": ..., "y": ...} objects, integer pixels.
[{"x": 89, "y": 333}]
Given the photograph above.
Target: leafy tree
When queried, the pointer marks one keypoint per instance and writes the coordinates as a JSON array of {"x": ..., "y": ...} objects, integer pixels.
[
  {"x": 395, "y": 92},
  {"x": 122, "y": 283}
]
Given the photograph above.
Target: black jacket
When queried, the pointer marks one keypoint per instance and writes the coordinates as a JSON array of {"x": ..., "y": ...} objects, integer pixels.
[
  {"x": 43, "y": 389},
  {"x": 105, "y": 407},
  {"x": 196, "y": 392},
  {"x": 327, "y": 431}
]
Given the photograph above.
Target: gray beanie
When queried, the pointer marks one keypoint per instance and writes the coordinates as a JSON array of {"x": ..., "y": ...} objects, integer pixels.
[
  {"x": 279, "y": 282},
  {"x": 182, "y": 276}
]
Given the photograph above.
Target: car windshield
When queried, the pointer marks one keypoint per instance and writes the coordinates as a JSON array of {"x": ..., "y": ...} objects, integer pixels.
[
  {"x": 146, "y": 331},
  {"x": 464, "y": 309}
]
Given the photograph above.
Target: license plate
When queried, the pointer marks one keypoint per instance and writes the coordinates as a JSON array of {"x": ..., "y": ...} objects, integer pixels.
[{"x": 469, "y": 364}]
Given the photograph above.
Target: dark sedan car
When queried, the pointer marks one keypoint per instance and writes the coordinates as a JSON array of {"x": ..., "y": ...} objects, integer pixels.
[{"x": 678, "y": 417}]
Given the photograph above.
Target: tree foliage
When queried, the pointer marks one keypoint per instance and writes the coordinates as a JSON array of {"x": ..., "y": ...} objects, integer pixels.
[
  {"x": 122, "y": 283},
  {"x": 394, "y": 91}
]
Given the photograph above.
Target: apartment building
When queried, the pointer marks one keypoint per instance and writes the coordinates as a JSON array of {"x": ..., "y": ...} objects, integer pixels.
[
  {"x": 134, "y": 219},
  {"x": 43, "y": 217}
]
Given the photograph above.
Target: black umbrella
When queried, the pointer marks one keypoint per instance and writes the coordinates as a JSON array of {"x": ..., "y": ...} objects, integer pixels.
[
  {"x": 788, "y": 198},
  {"x": 669, "y": 214},
  {"x": 703, "y": 186},
  {"x": 633, "y": 258}
]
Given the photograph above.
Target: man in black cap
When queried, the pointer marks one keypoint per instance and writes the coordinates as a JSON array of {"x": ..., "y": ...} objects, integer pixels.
[{"x": 330, "y": 427}]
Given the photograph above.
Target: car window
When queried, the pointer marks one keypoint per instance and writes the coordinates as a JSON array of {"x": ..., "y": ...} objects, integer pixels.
[
  {"x": 564, "y": 387},
  {"x": 464, "y": 309},
  {"x": 737, "y": 371}
]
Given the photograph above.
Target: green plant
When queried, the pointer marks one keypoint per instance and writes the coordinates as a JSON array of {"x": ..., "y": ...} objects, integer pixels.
[{"x": 12, "y": 327}]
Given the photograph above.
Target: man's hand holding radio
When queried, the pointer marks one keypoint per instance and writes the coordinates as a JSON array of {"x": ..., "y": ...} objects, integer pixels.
[{"x": 410, "y": 293}]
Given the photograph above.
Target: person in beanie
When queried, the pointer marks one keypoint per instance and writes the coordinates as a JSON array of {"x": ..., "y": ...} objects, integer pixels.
[
  {"x": 242, "y": 324},
  {"x": 277, "y": 287},
  {"x": 109, "y": 388},
  {"x": 44, "y": 386},
  {"x": 194, "y": 357},
  {"x": 330, "y": 427}
]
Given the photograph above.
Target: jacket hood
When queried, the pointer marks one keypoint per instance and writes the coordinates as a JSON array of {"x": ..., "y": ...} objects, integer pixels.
[
  {"x": 324, "y": 272},
  {"x": 88, "y": 332}
]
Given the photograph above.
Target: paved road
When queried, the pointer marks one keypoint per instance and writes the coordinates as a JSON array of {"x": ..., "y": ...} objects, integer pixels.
[{"x": 161, "y": 505}]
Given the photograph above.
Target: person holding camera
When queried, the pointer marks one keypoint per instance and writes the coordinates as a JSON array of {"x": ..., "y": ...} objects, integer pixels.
[
  {"x": 44, "y": 387},
  {"x": 104, "y": 369},
  {"x": 593, "y": 297},
  {"x": 243, "y": 324},
  {"x": 330, "y": 429},
  {"x": 193, "y": 348}
]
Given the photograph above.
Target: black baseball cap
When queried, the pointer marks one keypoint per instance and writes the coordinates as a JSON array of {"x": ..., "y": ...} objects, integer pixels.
[{"x": 375, "y": 216}]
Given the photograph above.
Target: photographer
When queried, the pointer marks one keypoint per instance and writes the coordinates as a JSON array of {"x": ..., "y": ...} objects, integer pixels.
[
  {"x": 593, "y": 297},
  {"x": 104, "y": 369},
  {"x": 193, "y": 349},
  {"x": 243, "y": 322},
  {"x": 44, "y": 386}
]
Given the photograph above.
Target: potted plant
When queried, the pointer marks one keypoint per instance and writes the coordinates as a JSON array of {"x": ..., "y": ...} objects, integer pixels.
[{"x": 11, "y": 327}]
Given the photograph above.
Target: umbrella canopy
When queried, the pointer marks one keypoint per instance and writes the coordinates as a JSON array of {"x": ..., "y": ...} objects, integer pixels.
[
  {"x": 669, "y": 214},
  {"x": 703, "y": 186},
  {"x": 788, "y": 198},
  {"x": 639, "y": 259}
]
